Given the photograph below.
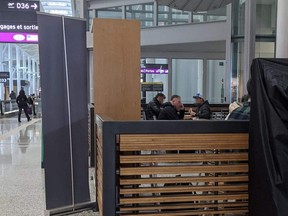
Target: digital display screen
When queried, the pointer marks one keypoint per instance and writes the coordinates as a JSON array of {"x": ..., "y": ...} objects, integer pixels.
[
  {"x": 18, "y": 37},
  {"x": 154, "y": 71}
]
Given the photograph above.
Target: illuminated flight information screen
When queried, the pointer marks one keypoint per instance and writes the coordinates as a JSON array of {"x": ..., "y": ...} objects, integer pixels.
[{"x": 18, "y": 21}]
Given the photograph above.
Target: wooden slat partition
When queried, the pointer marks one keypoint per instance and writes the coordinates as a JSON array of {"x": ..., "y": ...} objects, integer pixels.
[
  {"x": 99, "y": 169},
  {"x": 183, "y": 174}
]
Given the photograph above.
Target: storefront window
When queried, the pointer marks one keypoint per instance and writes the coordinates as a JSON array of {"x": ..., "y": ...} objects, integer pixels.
[
  {"x": 156, "y": 72},
  {"x": 170, "y": 16},
  {"x": 115, "y": 13},
  {"x": 143, "y": 13},
  {"x": 215, "y": 81},
  {"x": 187, "y": 78}
]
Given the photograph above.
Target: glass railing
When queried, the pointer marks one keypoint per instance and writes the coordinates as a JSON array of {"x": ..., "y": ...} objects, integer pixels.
[
  {"x": 10, "y": 107},
  {"x": 165, "y": 15}
]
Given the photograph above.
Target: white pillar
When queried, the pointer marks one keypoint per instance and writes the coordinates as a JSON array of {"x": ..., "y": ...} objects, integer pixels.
[
  {"x": 155, "y": 14},
  {"x": 282, "y": 30},
  {"x": 17, "y": 69},
  {"x": 228, "y": 63},
  {"x": 203, "y": 81},
  {"x": 33, "y": 76},
  {"x": 29, "y": 74},
  {"x": 11, "y": 71},
  {"x": 169, "y": 79}
]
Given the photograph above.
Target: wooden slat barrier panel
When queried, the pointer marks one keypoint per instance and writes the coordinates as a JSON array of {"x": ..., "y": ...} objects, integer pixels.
[
  {"x": 183, "y": 174},
  {"x": 99, "y": 170}
]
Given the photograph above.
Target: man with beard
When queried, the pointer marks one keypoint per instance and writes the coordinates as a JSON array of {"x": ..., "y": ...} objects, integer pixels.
[{"x": 172, "y": 110}]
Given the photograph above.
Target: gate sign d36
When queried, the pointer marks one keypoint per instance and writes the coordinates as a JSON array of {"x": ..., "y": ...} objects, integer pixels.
[{"x": 18, "y": 5}]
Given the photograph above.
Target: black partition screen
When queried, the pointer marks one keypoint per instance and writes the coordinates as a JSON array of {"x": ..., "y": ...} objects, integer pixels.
[
  {"x": 62, "y": 46},
  {"x": 268, "y": 148}
]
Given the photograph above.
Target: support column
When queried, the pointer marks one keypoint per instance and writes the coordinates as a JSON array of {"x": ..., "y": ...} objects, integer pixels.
[
  {"x": 202, "y": 76},
  {"x": 155, "y": 13},
  {"x": 11, "y": 72},
  {"x": 228, "y": 63},
  {"x": 123, "y": 12},
  {"x": 249, "y": 42},
  {"x": 29, "y": 75},
  {"x": 34, "y": 77},
  {"x": 169, "y": 79},
  {"x": 17, "y": 68},
  {"x": 282, "y": 30}
]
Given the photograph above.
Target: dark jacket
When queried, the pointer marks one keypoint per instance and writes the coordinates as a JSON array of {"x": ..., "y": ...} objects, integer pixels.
[
  {"x": 203, "y": 111},
  {"x": 170, "y": 113},
  {"x": 241, "y": 113},
  {"x": 153, "y": 109},
  {"x": 12, "y": 95},
  {"x": 22, "y": 100}
]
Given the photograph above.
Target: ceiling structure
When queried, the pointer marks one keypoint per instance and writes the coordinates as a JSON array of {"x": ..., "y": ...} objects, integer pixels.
[
  {"x": 61, "y": 7},
  {"x": 195, "y": 5},
  {"x": 65, "y": 7}
]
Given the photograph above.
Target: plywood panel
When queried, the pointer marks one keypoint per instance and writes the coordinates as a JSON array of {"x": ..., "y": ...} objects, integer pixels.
[{"x": 116, "y": 47}]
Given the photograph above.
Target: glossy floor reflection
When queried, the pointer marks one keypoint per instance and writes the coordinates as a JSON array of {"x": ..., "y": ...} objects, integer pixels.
[
  {"x": 22, "y": 191},
  {"x": 21, "y": 176}
]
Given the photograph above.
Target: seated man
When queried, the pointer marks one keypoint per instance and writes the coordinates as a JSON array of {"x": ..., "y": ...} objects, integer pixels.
[
  {"x": 154, "y": 106},
  {"x": 203, "y": 108},
  {"x": 172, "y": 110},
  {"x": 242, "y": 112}
]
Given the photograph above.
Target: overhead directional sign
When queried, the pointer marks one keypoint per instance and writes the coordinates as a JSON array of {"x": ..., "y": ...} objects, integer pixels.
[
  {"x": 18, "y": 21},
  {"x": 19, "y": 5}
]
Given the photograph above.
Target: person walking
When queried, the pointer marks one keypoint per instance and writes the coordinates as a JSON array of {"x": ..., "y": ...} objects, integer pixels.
[
  {"x": 12, "y": 95},
  {"x": 31, "y": 102},
  {"x": 22, "y": 100}
]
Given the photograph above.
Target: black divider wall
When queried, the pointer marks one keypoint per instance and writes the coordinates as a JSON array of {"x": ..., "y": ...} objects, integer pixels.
[
  {"x": 268, "y": 144},
  {"x": 75, "y": 31},
  {"x": 64, "y": 108}
]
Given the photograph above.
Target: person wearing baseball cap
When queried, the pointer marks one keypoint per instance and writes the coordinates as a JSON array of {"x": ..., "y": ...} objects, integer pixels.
[{"x": 203, "y": 108}]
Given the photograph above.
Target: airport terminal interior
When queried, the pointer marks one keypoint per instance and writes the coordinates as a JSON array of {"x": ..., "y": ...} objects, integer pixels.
[{"x": 186, "y": 47}]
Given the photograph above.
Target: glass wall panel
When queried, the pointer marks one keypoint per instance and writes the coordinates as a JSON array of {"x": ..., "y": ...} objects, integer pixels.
[
  {"x": 143, "y": 12},
  {"x": 238, "y": 32},
  {"x": 169, "y": 16},
  {"x": 91, "y": 16},
  {"x": 237, "y": 70},
  {"x": 215, "y": 81},
  {"x": 264, "y": 49},
  {"x": 187, "y": 78},
  {"x": 266, "y": 17},
  {"x": 208, "y": 16},
  {"x": 238, "y": 18},
  {"x": 115, "y": 13}
]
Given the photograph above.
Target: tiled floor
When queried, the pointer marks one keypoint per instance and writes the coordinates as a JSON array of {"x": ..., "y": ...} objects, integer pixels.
[{"x": 22, "y": 191}]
